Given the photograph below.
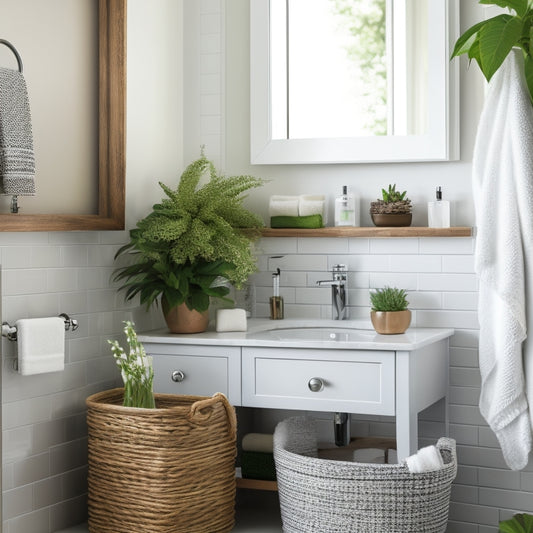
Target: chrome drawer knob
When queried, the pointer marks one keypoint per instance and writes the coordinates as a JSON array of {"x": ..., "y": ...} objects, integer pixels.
[
  {"x": 178, "y": 376},
  {"x": 315, "y": 384}
]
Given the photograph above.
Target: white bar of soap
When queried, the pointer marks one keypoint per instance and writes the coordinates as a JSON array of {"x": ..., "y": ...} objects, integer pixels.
[{"x": 231, "y": 320}]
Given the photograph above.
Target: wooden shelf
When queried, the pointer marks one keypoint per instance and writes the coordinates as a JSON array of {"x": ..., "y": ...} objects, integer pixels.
[
  {"x": 369, "y": 232},
  {"x": 254, "y": 484}
]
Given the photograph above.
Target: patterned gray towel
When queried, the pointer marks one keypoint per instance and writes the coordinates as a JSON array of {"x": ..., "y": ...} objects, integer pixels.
[{"x": 17, "y": 160}]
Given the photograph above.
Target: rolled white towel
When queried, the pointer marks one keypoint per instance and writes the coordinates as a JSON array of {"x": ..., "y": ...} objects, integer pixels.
[
  {"x": 258, "y": 442},
  {"x": 425, "y": 460},
  {"x": 311, "y": 205},
  {"x": 283, "y": 206}
]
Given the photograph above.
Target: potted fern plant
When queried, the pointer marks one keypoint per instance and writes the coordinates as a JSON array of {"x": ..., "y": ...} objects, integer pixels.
[
  {"x": 191, "y": 247},
  {"x": 389, "y": 312},
  {"x": 392, "y": 209}
]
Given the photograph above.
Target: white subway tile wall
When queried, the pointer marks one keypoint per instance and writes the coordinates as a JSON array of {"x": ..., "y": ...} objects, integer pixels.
[
  {"x": 442, "y": 290},
  {"x": 44, "y": 463}
]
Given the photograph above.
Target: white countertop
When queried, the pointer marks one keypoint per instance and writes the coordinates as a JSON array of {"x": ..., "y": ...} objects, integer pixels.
[{"x": 305, "y": 333}]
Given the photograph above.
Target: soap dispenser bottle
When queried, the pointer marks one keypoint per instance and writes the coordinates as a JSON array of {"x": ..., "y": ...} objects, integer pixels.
[
  {"x": 346, "y": 212},
  {"x": 439, "y": 212},
  {"x": 276, "y": 301}
]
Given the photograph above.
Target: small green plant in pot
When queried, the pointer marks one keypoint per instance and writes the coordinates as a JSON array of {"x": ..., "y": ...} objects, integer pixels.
[
  {"x": 392, "y": 209},
  {"x": 389, "y": 312},
  {"x": 191, "y": 247}
]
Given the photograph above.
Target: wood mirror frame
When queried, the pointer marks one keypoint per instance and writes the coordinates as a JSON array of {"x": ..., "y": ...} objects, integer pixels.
[{"x": 111, "y": 136}]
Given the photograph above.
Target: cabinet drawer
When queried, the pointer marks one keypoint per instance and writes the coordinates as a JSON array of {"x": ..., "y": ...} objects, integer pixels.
[
  {"x": 348, "y": 381},
  {"x": 193, "y": 371}
]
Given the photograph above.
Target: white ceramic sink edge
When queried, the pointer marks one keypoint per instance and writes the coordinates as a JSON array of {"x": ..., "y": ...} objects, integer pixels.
[
  {"x": 262, "y": 325},
  {"x": 314, "y": 330}
]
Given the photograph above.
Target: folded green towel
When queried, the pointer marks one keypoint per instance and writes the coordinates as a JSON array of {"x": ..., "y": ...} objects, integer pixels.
[
  {"x": 307, "y": 222},
  {"x": 258, "y": 465}
]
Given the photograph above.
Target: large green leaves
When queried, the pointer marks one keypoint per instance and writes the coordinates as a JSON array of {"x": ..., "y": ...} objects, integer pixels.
[
  {"x": 490, "y": 41},
  {"x": 520, "y": 6},
  {"x": 520, "y": 523},
  {"x": 496, "y": 38}
]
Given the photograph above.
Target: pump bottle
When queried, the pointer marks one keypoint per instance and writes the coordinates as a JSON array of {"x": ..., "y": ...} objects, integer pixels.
[
  {"x": 439, "y": 212},
  {"x": 346, "y": 212}
]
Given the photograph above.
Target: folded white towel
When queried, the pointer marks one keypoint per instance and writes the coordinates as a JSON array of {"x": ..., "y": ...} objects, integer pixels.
[
  {"x": 425, "y": 460},
  {"x": 309, "y": 204},
  {"x": 283, "y": 206},
  {"x": 503, "y": 201},
  {"x": 258, "y": 442},
  {"x": 231, "y": 320},
  {"x": 41, "y": 345}
]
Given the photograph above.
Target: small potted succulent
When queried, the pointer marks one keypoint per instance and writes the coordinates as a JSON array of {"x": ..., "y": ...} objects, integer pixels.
[
  {"x": 392, "y": 209},
  {"x": 389, "y": 312}
]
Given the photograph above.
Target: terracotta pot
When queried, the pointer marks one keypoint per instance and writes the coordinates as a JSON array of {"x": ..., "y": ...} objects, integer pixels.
[
  {"x": 390, "y": 322},
  {"x": 181, "y": 319},
  {"x": 391, "y": 219}
]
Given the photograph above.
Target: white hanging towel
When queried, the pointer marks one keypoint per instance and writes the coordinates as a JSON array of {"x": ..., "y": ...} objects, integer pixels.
[
  {"x": 503, "y": 200},
  {"x": 17, "y": 159},
  {"x": 41, "y": 345}
]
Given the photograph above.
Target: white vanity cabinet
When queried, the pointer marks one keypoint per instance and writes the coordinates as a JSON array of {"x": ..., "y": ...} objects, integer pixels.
[
  {"x": 348, "y": 381},
  {"x": 196, "y": 370},
  {"x": 382, "y": 375}
]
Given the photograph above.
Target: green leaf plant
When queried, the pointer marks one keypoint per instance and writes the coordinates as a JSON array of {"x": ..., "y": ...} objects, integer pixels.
[
  {"x": 490, "y": 41},
  {"x": 519, "y": 523},
  {"x": 193, "y": 244},
  {"x": 388, "y": 299}
]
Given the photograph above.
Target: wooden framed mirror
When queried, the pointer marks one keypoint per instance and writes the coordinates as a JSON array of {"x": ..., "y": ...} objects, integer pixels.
[{"x": 111, "y": 142}]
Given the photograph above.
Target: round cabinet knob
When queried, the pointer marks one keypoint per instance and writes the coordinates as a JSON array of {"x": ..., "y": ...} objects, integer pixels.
[
  {"x": 315, "y": 384},
  {"x": 178, "y": 376}
]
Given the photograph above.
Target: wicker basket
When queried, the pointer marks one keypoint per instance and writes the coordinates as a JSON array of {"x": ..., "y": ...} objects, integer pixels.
[
  {"x": 170, "y": 469},
  {"x": 320, "y": 495}
]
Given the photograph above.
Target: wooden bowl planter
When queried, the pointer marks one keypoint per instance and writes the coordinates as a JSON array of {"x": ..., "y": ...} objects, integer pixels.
[
  {"x": 393, "y": 220},
  {"x": 169, "y": 469},
  {"x": 390, "y": 322}
]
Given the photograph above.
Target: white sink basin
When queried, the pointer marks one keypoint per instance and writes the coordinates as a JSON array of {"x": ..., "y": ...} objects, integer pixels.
[{"x": 311, "y": 334}]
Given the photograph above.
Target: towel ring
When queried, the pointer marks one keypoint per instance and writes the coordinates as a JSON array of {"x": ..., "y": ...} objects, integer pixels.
[{"x": 14, "y": 50}]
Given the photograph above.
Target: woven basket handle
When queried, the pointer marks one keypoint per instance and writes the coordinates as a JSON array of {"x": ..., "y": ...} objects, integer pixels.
[{"x": 202, "y": 417}]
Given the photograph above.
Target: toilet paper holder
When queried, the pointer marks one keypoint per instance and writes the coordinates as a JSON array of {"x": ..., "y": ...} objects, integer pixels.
[{"x": 10, "y": 332}]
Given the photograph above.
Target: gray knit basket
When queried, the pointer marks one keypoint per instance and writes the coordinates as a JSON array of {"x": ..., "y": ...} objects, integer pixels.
[{"x": 321, "y": 495}]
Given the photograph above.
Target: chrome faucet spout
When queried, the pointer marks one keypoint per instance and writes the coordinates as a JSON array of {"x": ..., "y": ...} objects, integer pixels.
[{"x": 338, "y": 292}]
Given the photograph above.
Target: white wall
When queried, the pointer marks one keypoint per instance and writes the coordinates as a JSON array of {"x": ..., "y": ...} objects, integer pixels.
[
  {"x": 438, "y": 272},
  {"x": 44, "y": 431}
]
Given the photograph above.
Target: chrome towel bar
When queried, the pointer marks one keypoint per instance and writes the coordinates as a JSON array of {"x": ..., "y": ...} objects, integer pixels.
[{"x": 10, "y": 332}]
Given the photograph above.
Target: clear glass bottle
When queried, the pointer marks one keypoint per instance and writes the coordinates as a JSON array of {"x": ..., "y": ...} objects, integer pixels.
[
  {"x": 346, "y": 211},
  {"x": 439, "y": 212}
]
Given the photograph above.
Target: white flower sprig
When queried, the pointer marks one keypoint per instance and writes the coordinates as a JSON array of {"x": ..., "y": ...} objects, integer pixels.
[{"x": 136, "y": 370}]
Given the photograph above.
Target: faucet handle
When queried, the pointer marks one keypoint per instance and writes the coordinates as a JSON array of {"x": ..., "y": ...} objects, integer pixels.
[{"x": 339, "y": 268}]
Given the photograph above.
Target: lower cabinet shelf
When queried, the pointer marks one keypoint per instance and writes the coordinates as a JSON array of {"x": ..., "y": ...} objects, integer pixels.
[{"x": 254, "y": 484}]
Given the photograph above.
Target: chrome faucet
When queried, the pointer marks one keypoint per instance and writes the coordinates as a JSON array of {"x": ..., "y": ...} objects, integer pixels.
[{"x": 338, "y": 291}]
